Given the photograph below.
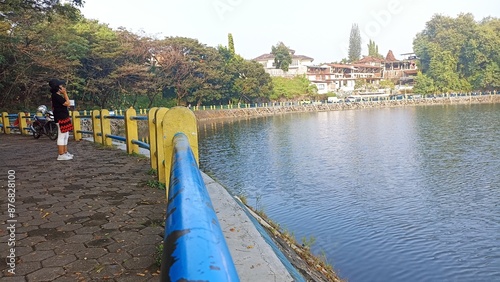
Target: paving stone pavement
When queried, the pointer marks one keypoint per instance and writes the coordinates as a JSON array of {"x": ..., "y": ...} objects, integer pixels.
[{"x": 89, "y": 219}]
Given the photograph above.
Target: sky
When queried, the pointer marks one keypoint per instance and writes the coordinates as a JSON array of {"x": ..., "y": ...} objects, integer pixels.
[{"x": 318, "y": 29}]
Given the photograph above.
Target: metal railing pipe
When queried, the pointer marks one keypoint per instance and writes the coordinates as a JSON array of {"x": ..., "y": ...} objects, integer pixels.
[{"x": 194, "y": 247}]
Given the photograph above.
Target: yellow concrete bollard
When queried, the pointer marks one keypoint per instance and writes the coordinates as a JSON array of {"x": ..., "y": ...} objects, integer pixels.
[
  {"x": 131, "y": 131},
  {"x": 152, "y": 137},
  {"x": 160, "y": 156},
  {"x": 96, "y": 126},
  {"x": 178, "y": 119},
  {"x": 105, "y": 128},
  {"x": 77, "y": 125},
  {"x": 5, "y": 122},
  {"x": 22, "y": 123}
]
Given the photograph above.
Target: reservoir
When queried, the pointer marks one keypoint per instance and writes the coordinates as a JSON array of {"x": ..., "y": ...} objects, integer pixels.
[{"x": 387, "y": 194}]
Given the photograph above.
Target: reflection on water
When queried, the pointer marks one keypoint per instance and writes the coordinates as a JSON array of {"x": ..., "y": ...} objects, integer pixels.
[{"x": 399, "y": 194}]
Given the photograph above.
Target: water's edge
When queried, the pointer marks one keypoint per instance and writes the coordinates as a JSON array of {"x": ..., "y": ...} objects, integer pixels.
[{"x": 276, "y": 110}]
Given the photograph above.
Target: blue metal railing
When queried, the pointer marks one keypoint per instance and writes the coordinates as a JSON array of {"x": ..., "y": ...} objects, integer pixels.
[
  {"x": 194, "y": 248},
  {"x": 141, "y": 144}
]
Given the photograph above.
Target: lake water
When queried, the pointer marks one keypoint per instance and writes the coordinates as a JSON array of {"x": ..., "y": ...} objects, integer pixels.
[{"x": 390, "y": 194}]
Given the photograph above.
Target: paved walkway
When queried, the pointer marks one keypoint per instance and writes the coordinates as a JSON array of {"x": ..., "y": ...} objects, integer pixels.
[{"x": 94, "y": 218}]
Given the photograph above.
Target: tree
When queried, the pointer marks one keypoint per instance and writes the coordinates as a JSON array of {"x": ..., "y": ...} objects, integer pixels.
[
  {"x": 29, "y": 55},
  {"x": 282, "y": 56},
  {"x": 460, "y": 54},
  {"x": 230, "y": 43},
  {"x": 354, "y": 44},
  {"x": 423, "y": 84},
  {"x": 373, "y": 50},
  {"x": 292, "y": 88}
]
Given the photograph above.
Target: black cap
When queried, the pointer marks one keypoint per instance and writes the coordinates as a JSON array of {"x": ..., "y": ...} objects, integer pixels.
[{"x": 55, "y": 83}]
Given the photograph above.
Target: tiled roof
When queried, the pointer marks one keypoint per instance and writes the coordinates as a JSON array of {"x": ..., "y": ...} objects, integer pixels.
[
  {"x": 370, "y": 59},
  {"x": 390, "y": 57},
  {"x": 341, "y": 66},
  {"x": 366, "y": 66},
  {"x": 264, "y": 57}
]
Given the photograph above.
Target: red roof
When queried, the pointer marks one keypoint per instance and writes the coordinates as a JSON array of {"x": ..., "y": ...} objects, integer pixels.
[
  {"x": 271, "y": 57},
  {"x": 390, "y": 57},
  {"x": 370, "y": 59}
]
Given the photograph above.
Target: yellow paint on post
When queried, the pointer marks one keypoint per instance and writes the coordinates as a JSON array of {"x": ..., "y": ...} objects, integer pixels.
[
  {"x": 22, "y": 123},
  {"x": 77, "y": 125},
  {"x": 96, "y": 126},
  {"x": 5, "y": 122},
  {"x": 160, "y": 156},
  {"x": 106, "y": 128},
  {"x": 152, "y": 137},
  {"x": 178, "y": 119},
  {"x": 131, "y": 131}
]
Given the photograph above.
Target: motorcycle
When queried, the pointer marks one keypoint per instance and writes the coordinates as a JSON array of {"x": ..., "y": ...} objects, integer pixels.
[{"x": 44, "y": 124}]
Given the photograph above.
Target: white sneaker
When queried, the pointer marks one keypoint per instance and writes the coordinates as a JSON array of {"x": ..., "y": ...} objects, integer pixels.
[
  {"x": 63, "y": 157},
  {"x": 69, "y": 154}
]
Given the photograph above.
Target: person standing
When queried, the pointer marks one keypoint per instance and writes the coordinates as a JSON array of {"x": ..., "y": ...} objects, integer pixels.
[{"x": 60, "y": 104}]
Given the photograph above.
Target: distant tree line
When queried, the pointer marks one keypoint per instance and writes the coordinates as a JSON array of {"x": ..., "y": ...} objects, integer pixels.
[{"x": 107, "y": 68}]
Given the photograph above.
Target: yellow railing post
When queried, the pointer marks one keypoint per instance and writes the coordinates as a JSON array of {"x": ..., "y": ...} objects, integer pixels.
[
  {"x": 105, "y": 128},
  {"x": 160, "y": 156},
  {"x": 131, "y": 131},
  {"x": 5, "y": 122},
  {"x": 178, "y": 119},
  {"x": 77, "y": 125},
  {"x": 152, "y": 137},
  {"x": 96, "y": 126},
  {"x": 22, "y": 123}
]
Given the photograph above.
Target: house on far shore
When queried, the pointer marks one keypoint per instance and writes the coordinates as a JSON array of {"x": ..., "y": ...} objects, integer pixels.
[
  {"x": 297, "y": 67},
  {"x": 343, "y": 77}
]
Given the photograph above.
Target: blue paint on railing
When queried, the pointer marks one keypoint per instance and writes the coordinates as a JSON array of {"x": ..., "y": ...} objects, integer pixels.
[
  {"x": 116, "y": 137},
  {"x": 141, "y": 144},
  {"x": 139, "y": 118},
  {"x": 85, "y": 132},
  {"x": 194, "y": 248},
  {"x": 115, "y": 117}
]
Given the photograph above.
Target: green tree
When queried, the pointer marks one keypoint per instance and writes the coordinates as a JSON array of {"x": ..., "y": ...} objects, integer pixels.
[
  {"x": 354, "y": 44},
  {"x": 373, "y": 50},
  {"x": 423, "y": 84},
  {"x": 460, "y": 54},
  {"x": 230, "y": 43},
  {"x": 253, "y": 84},
  {"x": 282, "y": 56},
  {"x": 292, "y": 88},
  {"x": 28, "y": 53}
]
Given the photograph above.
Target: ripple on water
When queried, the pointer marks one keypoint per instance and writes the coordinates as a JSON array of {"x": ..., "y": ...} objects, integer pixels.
[{"x": 404, "y": 194}]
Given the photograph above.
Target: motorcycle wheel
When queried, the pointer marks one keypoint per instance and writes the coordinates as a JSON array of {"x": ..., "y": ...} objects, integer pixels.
[
  {"x": 37, "y": 131},
  {"x": 52, "y": 130}
]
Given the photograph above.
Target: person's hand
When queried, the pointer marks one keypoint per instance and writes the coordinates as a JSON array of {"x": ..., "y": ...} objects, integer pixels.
[{"x": 62, "y": 90}]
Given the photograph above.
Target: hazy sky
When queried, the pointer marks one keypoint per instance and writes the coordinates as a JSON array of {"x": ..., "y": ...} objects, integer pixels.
[{"x": 316, "y": 28}]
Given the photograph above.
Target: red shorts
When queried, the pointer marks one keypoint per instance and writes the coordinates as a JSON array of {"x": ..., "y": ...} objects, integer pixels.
[{"x": 65, "y": 125}]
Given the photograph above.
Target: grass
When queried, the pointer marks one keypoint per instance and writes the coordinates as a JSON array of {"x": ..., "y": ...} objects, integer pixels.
[
  {"x": 156, "y": 184},
  {"x": 158, "y": 254},
  {"x": 303, "y": 250},
  {"x": 137, "y": 155}
]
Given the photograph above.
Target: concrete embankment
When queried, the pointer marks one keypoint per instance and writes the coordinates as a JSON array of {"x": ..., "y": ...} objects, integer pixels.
[{"x": 269, "y": 111}]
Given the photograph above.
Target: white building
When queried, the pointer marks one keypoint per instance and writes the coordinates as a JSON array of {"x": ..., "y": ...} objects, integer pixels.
[{"x": 297, "y": 67}]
